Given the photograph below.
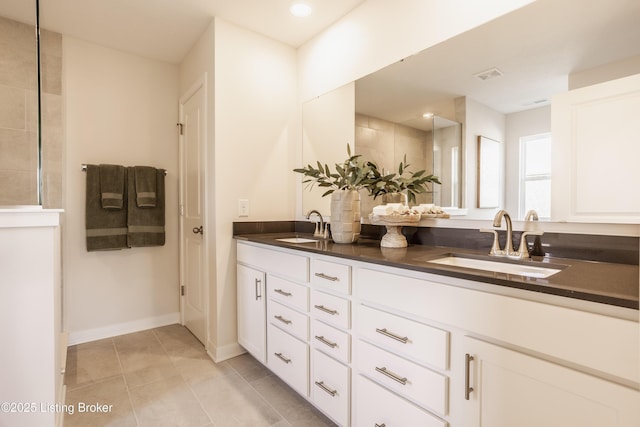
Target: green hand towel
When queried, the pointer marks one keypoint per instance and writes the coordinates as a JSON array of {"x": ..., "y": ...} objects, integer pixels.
[
  {"x": 146, "y": 191},
  {"x": 112, "y": 179},
  {"x": 105, "y": 228},
  {"x": 145, "y": 224}
]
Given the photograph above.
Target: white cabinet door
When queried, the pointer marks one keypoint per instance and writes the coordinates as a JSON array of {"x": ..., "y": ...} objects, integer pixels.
[
  {"x": 252, "y": 311},
  {"x": 595, "y": 153},
  {"x": 514, "y": 389}
]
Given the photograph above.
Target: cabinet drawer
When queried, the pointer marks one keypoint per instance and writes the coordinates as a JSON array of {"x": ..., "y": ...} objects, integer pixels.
[
  {"x": 281, "y": 263},
  {"x": 332, "y": 341},
  {"x": 288, "y": 358},
  {"x": 331, "y": 308},
  {"x": 293, "y": 294},
  {"x": 331, "y": 275},
  {"x": 425, "y": 387},
  {"x": 376, "y": 406},
  {"x": 416, "y": 340},
  {"x": 330, "y": 387},
  {"x": 288, "y": 319}
]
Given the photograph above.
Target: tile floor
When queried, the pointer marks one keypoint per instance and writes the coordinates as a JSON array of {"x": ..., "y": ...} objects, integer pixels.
[{"x": 163, "y": 377}]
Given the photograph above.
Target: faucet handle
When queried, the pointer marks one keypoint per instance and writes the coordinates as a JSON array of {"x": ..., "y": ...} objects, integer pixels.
[
  {"x": 495, "y": 247},
  {"x": 523, "y": 249}
]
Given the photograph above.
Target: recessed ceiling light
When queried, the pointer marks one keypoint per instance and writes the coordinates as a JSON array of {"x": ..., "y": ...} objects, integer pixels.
[
  {"x": 300, "y": 10},
  {"x": 427, "y": 115}
]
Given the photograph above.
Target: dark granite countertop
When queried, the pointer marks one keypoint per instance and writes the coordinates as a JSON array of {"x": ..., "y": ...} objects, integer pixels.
[{"x": 600, "y": 282}]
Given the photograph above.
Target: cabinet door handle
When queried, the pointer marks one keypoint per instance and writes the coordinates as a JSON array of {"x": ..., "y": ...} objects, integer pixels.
[
  {"x": 467, "y": 390},
  {"x": 258, "y": 286},
  {"x": 380, "y": 425},
  {"x": 281, "y": 292},
  {"x": 384, "y": 371},
  {"x": 388, "y": 334},
  {"x": 326, "y": 310},
  {"x": 324, "y": 276},
  {"x": 283, "y": 320},
  {"x": 325, "y": 388},
  {"x": 325, "y": 341},
  {"x": 281, "y": 357}
]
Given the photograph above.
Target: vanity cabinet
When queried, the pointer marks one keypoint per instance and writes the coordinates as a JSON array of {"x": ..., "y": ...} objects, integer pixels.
[
  {"x": 507, "y": 388},
  {"x": 370, "y": 345},
  {"x": 595, "y": 128},
  {"x": 252, "y": 331}
]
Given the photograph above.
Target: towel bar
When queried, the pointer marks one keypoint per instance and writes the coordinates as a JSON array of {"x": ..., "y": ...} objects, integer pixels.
[{"x": 84, "y": 169}]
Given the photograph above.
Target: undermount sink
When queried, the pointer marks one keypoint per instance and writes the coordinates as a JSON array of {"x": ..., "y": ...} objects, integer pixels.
[
  {"x": 506, "y": 267},
  {"x": 297, "y": 240}
]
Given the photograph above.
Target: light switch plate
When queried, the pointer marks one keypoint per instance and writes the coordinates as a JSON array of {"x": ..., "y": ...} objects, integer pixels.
[{"x": 243, "y": 207}]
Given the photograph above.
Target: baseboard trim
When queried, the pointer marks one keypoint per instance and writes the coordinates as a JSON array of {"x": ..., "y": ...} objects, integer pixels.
[
  {"x": 88, "y": 335},
  {"x": 219, "y": 354}
]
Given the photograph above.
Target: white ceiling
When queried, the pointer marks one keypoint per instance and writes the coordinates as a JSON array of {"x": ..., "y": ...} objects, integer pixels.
[
  {"x": 536, "y": 47},
  {"x": 166, "y": 29}
]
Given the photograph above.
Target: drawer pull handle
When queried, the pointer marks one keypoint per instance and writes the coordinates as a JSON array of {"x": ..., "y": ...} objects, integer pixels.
[
  {"x": 283, "y": 320},
  {"x": 325, "y": 388},
  {"x": 281, "y": 292},
  {"x": 258, "y": 291},
  {"x": 388, "y": 334},
  {"x": 325, "y": 341},
  {"x": 467, "y": 390},
  {"x": 326, "y": 310},
  {"x": 380, "y": 425},
  {"x": 281, "y": 357},
  {"x": 324, "y": 276},
  {"x": 395, "y": 377}
]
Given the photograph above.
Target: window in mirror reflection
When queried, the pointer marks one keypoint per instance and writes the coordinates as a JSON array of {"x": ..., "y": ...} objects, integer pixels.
[{"x": 535, "y": 175}]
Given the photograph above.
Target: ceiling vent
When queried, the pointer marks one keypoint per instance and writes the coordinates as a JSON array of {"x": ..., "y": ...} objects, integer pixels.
[{"x": 489, "y": 74}]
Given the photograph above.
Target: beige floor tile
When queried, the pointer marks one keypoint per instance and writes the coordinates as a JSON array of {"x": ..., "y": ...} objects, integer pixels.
[
  {"x": 293, "y": 407},
  {"x": 177, "y": 339},
  {"x": 231, "y": 401},
  {"x": 249, "y": 368},
  {"x": 168, "y": 402},
  {"x": 111, "y": 392},
  {"x": 91, "y": 362},
  {"x": 143, "y": 359}
]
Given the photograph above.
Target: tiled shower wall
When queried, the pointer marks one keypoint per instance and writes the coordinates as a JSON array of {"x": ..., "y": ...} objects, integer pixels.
[{"x": 18, "y": 115}]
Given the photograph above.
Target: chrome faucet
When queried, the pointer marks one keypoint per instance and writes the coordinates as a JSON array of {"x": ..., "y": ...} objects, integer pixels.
[
  {"x": 321, "y": 227},
  {"x": 497, "y": 222}
]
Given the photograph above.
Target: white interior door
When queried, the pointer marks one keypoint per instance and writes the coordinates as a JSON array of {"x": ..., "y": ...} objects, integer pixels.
[{"x": 192, "y": 248}]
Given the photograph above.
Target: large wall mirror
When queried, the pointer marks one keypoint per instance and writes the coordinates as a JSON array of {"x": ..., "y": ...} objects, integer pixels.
[{"x": 496, "y": 81}]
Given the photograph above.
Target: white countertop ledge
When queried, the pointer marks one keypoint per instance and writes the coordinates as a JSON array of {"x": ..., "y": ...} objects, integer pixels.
[{"x": 29, "y": 216}]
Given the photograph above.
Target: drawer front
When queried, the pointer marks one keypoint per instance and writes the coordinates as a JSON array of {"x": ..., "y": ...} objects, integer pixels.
[
  {"x": 288, "y": 358},
  {"x": 284, "y": 264},
  {"x": 332, "y": 341},
  {"x": 416, "y": 340},
  {"x": 376, "y": 406},
  {"x": 293, "y": 294},
  {"x": 331, "y": 275},
  {"x": 425, "y": 387},
  {"x": 288, "y": 319},
  {"x": 330, "y": 387},
  {"x": 331, "y": 309}
]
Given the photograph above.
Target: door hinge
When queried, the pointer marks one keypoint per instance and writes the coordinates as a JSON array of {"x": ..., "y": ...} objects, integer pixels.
[
  {"x": 180, "y": 128},
  {"x": 182, "y": 290}
]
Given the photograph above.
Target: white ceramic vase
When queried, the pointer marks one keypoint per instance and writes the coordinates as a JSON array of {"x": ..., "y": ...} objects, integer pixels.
[{"x": 345, "y": 216}]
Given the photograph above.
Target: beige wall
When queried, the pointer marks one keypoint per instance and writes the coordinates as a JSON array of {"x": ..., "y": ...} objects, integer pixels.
[
  {"x": 18, "y": 115},
  {"x": 120, "y": 109}
]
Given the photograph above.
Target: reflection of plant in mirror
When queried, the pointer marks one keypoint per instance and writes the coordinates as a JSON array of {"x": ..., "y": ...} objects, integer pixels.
[
  {"x": 352, "y": 174},
  {"x": 404, "y": 181}
]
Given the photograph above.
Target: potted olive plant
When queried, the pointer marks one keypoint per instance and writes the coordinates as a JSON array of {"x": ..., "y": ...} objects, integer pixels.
[
  {"x": 404, "y": 184},
  {"x": 343, "y": 185}
]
